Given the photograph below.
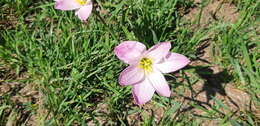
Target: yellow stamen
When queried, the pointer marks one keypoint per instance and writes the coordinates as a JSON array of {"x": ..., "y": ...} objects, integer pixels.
[
  {"x": 146, "y": 64},
  {"x": 81, "y": 2}
]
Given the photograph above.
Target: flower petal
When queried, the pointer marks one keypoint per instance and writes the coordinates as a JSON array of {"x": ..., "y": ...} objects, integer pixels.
[
  {"x": 84, "y": 12},
  {"x": 159, "y": 83},
  {"x": 173, "y": 62},
  {"x": 66, "y": 4},
  {"x": 131, "y": 75},
  {"x": 142, "y": 92},
  {"x": 159, "y": 51},
  {"x": 129, "y": 51}
]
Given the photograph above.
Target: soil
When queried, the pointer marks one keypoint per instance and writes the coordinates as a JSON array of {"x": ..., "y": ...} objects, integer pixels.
[
  {"x": 213, "y": 11},
  {"x": 21, "y": 95}
]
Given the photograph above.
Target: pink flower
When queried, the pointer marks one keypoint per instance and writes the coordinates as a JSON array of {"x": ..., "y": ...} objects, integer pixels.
[
  {"x": 83, "y": 7},
  {"x": 146, "y": 68}
]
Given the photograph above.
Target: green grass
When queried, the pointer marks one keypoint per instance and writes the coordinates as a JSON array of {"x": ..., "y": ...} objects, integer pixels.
[{"x": 73, "y": 66}]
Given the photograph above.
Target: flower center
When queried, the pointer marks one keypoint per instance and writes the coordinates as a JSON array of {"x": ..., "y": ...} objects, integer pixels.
[
  {"x": 81, "y": 2},
  {"x": 146, "y": 64}
]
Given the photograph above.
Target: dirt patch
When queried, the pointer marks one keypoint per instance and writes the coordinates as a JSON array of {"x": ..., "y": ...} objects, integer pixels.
[
  {"x": 233, "y": 100},
  {"x": 8, "y": 19},
  {"x": 102, "y": 109},
  {"x": 215, "y": 88},
  {"x": 6, "y": 72},
  {"x": 25, "y": 102},
  {"x": 213, "y": 11},
  {"x": 149, "y": 110}
]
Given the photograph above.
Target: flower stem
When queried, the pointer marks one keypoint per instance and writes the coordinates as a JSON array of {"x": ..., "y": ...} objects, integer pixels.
[{"x": 104, "y": 22}]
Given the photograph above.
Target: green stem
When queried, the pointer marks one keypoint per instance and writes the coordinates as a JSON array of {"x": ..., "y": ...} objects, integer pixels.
[{"x": 104, "y": 22}]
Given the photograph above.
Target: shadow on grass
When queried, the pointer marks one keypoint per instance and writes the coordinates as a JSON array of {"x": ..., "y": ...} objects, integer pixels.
[
  {"x": 155, "y": 22},
  {"x": 2, "y": 40},
  {"x": 214, "y": 83},
  {"x": 150, "y": 32},
  {"x": 114, "y": 111}
]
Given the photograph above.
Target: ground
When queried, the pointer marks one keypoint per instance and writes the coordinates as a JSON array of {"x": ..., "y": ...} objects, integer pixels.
[{"x": 57, "y": 70}]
